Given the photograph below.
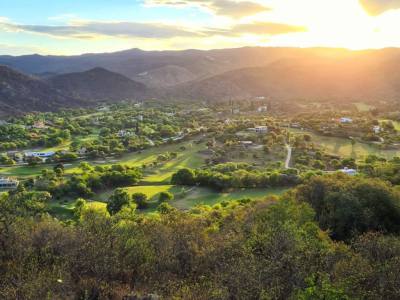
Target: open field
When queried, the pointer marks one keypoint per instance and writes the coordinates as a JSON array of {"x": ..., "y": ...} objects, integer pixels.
[
  {"x": 363, "y": 107},
  {"x": 188, "y": 197},
  {"x": 344, "y": 148},
  {"x": 396, "y": 124},
  {"x": 189, "y": 157}
]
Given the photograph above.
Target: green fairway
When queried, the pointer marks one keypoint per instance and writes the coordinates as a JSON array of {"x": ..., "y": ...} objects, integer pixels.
[
  {"x": 344, "y": 148},
  {"x": 363, "y": 107},
  {"x": 207, "y": 196},
  {"x": 188, "y": 197},
  {"x": 396, "y": 124},
  {"x": 189, "y": 157}
]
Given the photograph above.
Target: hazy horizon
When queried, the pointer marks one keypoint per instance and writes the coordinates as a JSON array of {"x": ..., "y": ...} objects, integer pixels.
[
  {"x": 206, "y": 50},
  {"x": 73, "y": 28}
]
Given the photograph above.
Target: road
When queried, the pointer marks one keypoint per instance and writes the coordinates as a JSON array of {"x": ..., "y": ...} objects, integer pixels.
[{"x": 289, "y": 156}]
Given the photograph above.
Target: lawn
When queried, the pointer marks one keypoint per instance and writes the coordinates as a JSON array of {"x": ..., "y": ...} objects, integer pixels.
[
  {"x": 186, "y": 158},
  {"x": 396, "y": 124},
  {"x": 363, "y": 107},
  {"x": 188, "y": 197},
  {"x": 207, "y": 196},
  {"x": 344, "y": 148}
]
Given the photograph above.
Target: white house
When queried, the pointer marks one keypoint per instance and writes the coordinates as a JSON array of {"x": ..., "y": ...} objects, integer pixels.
[
  {"x": 246, "y": 143},
  {"x": 348, "y": 171},
  {"x": 8, "y": 183},
  {"x": 262, "y": 109},
  {"x": 40, "y": 154},
  {"x": 261, "y": 129},
  {"x": 376, "y": 129},
  {"x": 124, "y": 133},
  {"x": 345, "y": 120}
]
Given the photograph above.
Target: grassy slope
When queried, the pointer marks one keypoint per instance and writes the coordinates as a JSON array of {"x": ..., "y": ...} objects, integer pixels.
[
  {"x": 344, "y": 148},
  {"x": 187, "y": 197}
]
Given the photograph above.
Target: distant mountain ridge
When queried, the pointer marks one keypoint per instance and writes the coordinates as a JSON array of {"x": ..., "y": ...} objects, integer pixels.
[
  {"x": 20, "y": 93},
  {"x": 192, "y": 64},
  {"x": 215, "y": 75},
  {"x": 98, "y": 84}
]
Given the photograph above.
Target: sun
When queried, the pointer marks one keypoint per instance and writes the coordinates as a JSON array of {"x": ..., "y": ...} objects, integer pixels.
[{"x": 338, "y": 23}]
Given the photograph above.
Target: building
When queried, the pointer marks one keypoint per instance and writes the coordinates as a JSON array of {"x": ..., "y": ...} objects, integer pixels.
[
  {"x": 261, "y": 129},
  {"x": 40, "y": 154},
  {"x": 345, "y": 120},
  {"x": 8, "y": 183},
  {"x": 376, "y": 129},
  {"x": 124, "y": 133},
  {"x": 39, "y": 125},
  {"x": 348, "y": 171},
  {"x": 246, "y": 143},
  {"x": 262, "y": 109}
]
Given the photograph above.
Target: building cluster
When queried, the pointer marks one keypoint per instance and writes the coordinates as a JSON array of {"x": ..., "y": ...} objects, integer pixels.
[{"x": 8, "y": 183}]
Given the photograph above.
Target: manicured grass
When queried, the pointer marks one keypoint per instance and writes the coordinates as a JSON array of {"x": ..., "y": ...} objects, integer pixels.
[
  {"x": 396, "y": 124},
  {"x": 188, "y": 197},
  {"x": 65, "y": 210},
  {"x": 186, "y": 158},
  {"x": 363, "y": 107},
  {"x": 62, "y": 210},
  {"x": 207, "y": 196},
  {"x": 344, "y": 148},
  {"x": 29, "y": 171}
]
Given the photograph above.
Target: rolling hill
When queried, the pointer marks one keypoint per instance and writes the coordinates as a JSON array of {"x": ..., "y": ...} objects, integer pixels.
[
  {"x": 21, "y": 93},
  {"x": 97, "y": 85},
  {"x": 366, "y": 77}
]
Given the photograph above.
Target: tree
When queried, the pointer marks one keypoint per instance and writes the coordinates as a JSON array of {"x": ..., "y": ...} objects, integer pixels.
[
  {"x": 33, "y": 161},
  {"x": 165, "y": 197},
  {"x": 349, "y": 206},
  {"x": 141, "y": 200},
  {"x": 165, "y": 208},
  {"x": 184, "y": 177},
  {"x": 118, "y": 199}
]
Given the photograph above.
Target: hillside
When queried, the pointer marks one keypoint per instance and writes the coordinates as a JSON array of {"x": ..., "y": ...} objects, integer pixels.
[
  {"x": 98, "y": 85},
  {"x": 368, "y": 77},
  {"x": 163, "y": 68},
  {"x": 19, "y": 93}
]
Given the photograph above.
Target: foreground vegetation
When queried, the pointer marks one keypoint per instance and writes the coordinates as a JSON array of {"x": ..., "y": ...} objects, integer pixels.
[
  {"x": 158, "y": 201},
  {"x": 266, "y": 249}
]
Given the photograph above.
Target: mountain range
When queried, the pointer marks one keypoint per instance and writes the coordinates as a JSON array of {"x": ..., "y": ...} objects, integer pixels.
[{"x": 49, "y": 82}]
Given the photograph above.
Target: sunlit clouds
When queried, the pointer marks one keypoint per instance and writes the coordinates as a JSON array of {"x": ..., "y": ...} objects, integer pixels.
[{"x": 205, "y": 24}]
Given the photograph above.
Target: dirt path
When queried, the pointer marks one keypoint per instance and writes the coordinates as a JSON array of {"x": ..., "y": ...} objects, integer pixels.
[{"x": 289, "y": 156}]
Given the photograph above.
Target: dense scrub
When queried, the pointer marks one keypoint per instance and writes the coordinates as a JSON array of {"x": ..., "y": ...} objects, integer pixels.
[{"x": 270, "y": 249}]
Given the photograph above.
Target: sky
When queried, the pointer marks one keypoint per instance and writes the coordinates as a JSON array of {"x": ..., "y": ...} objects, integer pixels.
[{"x": 70, "y": 27}]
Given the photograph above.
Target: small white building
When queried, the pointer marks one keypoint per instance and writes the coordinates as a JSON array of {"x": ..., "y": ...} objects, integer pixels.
[
  {"x": 348, "y": 171},
  {"x": 345, "y": 120},
  {"x": 124, "y": 133},
  {"x": 262, "y": 109},
  {"x": 40, "y": 154},
  {"x": 376, "y": 129},
  {"x": 246, "y": 143},
  {"x": 8, "y": 183},
  {"x": 261, "y": 129}
]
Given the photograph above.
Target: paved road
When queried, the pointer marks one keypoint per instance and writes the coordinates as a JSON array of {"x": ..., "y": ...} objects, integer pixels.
[{"x": 289, "y": 156}]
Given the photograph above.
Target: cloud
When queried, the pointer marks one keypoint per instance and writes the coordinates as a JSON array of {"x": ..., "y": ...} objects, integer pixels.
[
  {"x": 88, "y": 30},
  {"x": 230, "y": 8},
  {"x": 93, "y": 29},
  {"x": 377, "y": 7},
  {"x": 6, "y": 49},
  {"x": 266, "y": 28}
]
